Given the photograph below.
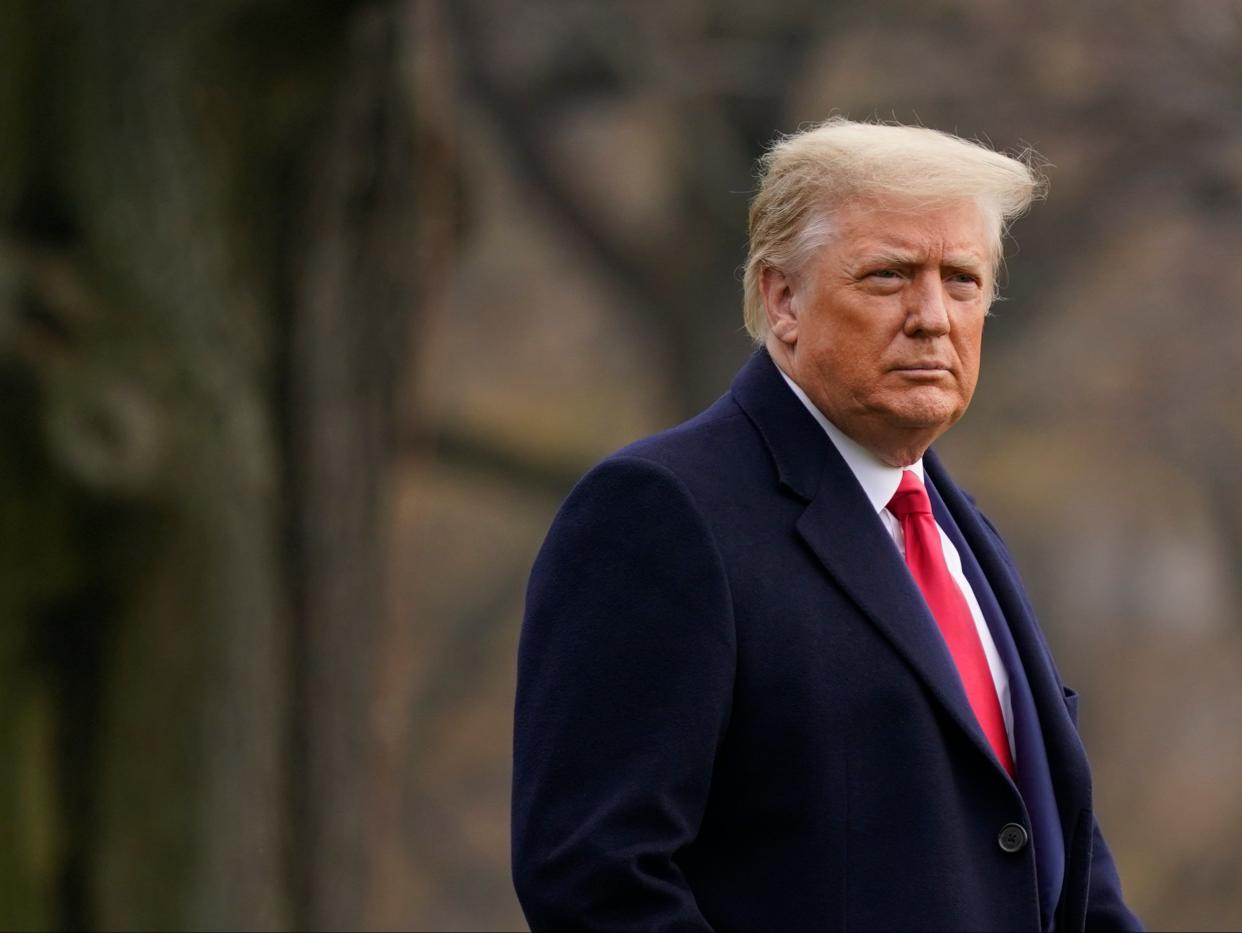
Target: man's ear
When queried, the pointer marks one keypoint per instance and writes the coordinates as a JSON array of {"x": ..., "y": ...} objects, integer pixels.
[{"x": 777, "y": 290}]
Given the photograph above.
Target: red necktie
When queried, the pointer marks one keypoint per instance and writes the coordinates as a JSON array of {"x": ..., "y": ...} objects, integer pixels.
[{"x": 925, "y": 558}]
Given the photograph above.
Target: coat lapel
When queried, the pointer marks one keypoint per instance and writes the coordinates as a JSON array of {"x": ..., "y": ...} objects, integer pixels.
[
  {"x": 1067, "y": 759},
  {"x": 847, "y": 536},
  {"x": 844, "y": 533},
  {"x": 1034, "y": 777}
]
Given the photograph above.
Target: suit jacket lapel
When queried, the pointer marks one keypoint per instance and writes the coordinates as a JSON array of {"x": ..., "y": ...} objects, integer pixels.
[
  {"x": 1066, "y": 758},
  {"x": 844, "y": 533},
  {"x": 1034, "y": 777},
  {"x": 848, "y": 537}
]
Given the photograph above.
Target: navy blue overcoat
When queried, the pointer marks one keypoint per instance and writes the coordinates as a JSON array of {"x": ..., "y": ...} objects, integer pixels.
[{"x": 734, "y": 711}]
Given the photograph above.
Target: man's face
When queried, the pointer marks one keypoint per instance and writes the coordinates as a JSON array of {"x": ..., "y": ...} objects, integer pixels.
[{"x": 884, "y": 327}]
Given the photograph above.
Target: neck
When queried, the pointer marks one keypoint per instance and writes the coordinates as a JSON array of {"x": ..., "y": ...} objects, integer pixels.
[{"x": 897, "y": 452}]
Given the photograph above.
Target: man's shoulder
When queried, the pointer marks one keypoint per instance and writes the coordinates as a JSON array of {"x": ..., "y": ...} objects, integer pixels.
[
  {"x": 718, "y": 445},
  {"x": 706, "y": 430},
  {"x": 712, "y": 458}
]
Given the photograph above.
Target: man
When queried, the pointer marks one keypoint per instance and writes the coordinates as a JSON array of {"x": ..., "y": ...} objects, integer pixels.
[{"x": 777, "y": 671}]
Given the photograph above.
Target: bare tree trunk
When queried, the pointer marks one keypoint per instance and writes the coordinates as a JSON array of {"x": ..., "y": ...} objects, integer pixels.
[
  {"x": 354, "y": 298},
  {"x": 162, "y": 407},
  {"x": 203, "y": 297}
]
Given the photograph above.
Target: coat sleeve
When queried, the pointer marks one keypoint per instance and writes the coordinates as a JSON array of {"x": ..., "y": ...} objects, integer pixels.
[{"x": 625, "y": 673}]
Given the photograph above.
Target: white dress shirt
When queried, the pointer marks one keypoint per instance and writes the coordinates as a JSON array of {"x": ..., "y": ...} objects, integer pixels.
[{"x": 880, "y": 481}]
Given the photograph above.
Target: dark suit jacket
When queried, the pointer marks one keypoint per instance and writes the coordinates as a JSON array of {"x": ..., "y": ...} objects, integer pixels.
[{"x": 734, "y": 710}]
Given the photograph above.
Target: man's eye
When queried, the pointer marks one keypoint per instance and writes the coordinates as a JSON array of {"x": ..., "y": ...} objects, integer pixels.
[
  {"x": 887, "y": 274},
  {"x": 964, "y": 278}
]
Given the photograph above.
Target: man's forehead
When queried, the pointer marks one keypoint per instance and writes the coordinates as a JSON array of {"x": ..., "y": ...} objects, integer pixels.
[{"x": 957, "y": 231}]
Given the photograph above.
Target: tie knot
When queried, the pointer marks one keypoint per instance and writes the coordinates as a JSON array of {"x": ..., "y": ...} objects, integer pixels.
[{"x": 910, "y": 497}]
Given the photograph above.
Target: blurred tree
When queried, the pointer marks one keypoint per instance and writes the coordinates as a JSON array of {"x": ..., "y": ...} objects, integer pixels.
[{"x": 208, "y": 232}]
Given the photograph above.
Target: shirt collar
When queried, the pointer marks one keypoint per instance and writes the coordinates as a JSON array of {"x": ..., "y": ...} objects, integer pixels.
[{"x": 878, "y": 480}]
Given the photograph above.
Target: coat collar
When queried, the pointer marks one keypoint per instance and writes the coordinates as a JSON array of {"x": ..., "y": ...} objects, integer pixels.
[{"x": 798, "y": 445}]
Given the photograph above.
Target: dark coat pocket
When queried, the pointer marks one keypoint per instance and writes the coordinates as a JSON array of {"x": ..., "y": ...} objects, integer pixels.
[{"x": 1071, "y": 704}]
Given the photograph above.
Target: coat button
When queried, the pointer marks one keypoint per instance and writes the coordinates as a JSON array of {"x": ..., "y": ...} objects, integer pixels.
[{"x": 1013, "y": 838}]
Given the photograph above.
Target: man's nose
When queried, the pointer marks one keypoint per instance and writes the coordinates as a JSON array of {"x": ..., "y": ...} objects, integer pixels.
[{"x": 927, "y": 312}]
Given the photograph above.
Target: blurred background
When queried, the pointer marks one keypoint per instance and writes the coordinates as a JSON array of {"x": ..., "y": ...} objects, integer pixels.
[{"x": 311, "y": 312}]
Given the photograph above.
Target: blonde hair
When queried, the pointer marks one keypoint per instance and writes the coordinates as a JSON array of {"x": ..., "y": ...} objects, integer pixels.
[{"x": 805, "y": 177}]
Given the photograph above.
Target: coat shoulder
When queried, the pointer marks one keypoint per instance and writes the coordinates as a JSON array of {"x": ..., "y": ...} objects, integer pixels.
[{"x": 715, "y": 450}]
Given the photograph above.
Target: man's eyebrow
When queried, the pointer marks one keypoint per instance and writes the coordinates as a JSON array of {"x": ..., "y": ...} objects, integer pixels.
[
  {"x": 964, "y": 260},
  {"x": 964, "y": 255},
  {"x": 892, "y": 257},
  {"x": 896, "y": 256}
]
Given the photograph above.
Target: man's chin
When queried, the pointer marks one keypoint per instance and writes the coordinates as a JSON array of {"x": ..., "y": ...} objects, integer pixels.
[{"x": 933, "y": 414}]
